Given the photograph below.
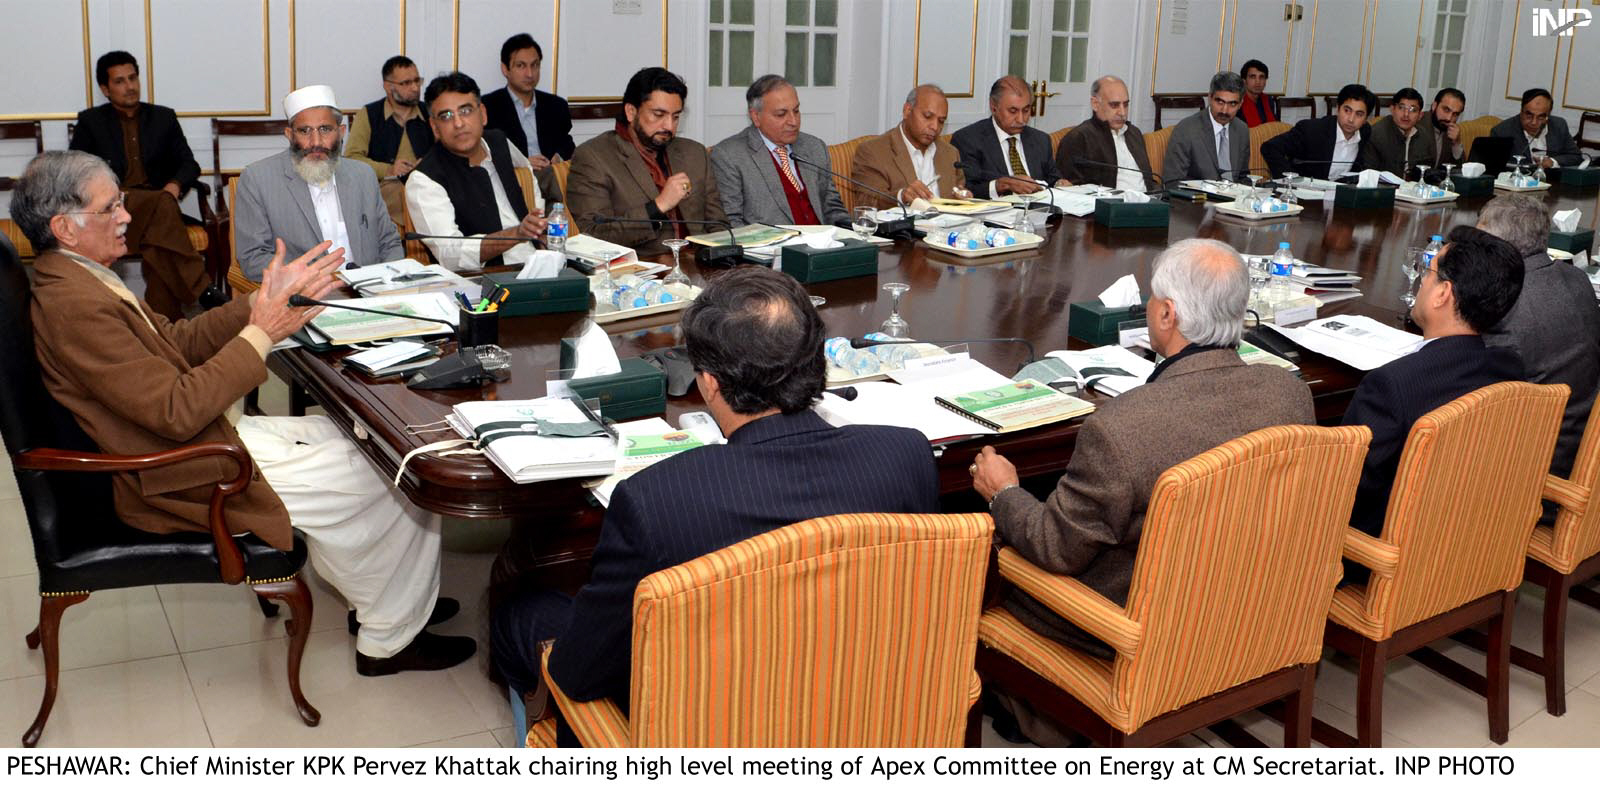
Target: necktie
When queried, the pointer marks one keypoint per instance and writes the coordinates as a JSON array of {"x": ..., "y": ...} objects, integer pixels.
[
  {"x": 1016, "y": 159},
  {"x": 1224, "y": 162},
  {"x": 787, "y": 168}
]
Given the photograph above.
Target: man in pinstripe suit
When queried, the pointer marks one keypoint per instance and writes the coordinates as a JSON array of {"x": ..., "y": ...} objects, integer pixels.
[{"x": 756, "y": 345}]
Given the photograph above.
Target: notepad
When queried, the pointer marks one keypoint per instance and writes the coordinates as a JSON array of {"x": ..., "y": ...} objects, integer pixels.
[{"x": 1015, "y": 406}]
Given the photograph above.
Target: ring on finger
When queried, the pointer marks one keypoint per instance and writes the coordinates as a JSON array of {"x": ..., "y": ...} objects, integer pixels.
[{"x": 973, "y": 469}]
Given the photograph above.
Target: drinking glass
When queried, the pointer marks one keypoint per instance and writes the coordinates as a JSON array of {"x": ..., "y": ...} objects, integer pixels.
[
  {"x": 866, "y": 222},
  {"x": 896, "y": 326},
  {"x": 676, "y": 277},
  {"x": 1412, "y": 266},
  {"x": 1288, "y": 181}
]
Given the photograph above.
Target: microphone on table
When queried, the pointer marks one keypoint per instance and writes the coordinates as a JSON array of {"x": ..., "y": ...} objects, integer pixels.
[
  {"x": 904, "y": 227},
  {"x": 726, "y": 256},
  {"x": 1114, "y": 165},
  {"x": 866, "y": 342},
  {"x": 299, "y": 300}
]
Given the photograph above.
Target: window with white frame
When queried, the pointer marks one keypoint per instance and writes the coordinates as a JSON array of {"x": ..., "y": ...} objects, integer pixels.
[
  {"x": 811, "y": 42},
  {"x": 1449, "y": 29},
  {"x": 731, "y": 42},
  {"x": 1065, "y": 41}
]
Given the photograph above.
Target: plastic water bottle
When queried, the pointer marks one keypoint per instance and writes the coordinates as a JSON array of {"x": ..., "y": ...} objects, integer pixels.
[
  {"x": 856, "y": 361},
  {"x": 968, "y": 237},
  {"x": 653, "y": 292},
  {"x": 1282, "y": 269},
  {"x": 555, "y": 232},
  {"x": 1432, "y": 249},
  {"x": 998, "y": 237}
]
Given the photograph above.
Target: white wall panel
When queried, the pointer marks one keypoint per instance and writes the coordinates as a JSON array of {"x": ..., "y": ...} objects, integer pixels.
[
  {"x": 55, "y": 70},
  {"x": 946, "y": 47},
  {"x": 343, "y": 43},
  {"x": 598, "y": 49},
  {"x": 1257, "y": 30},
  {"x": 1534, "y": 61},
  {"x": 1578, "y": 88},
  {"x": 190, "y": 70},
  {"x": 1190, "y": 40},
  {"x": 486, "y": 24},
  {"x": 1392, "y": 46},
  {"x": 1338, "y": 45}
]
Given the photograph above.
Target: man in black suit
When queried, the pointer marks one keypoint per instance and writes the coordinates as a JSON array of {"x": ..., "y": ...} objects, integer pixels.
[
  {"x": 1002, "y": 154},
  {"x": 1466, "y": 290},
  {"x": 1537, "y": 134},
  {"x": 1340, "y": 137},
  {"x": 146, "y": 148},
  {"x": 756, "y": 344},
  {"x": 538, "y": 123}
]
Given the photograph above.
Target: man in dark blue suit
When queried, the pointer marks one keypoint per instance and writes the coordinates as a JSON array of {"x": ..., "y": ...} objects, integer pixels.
[
  {"x": 538, "y": 123},
  {"x": 756, "y": 345},
  {"x": 1466, "y": 290}
]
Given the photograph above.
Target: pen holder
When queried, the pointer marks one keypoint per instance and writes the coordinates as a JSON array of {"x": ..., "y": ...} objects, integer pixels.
[{"x": 477, "y": 328}]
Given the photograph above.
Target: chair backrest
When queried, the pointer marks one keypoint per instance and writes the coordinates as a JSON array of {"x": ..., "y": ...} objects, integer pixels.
[
  {"x": 24, "y": 130},
  {"x": 236, "y": 277},
  {"x": 1175, "y": 101},
  {"x": 19, "y": 130},
  {"x": 1260, "y": 134},
  {"x": 1577, "y": 533},
  {"x": 1055, "y": 138},
  {"x": 840, "y": 158},
  {"x": 1155, "y": 146},
  {"x": 225, "y": 128},
  {"x": 1582, "y": 138},
  {"x": 1475, "y": 128},
  {"x": 1465, "y": 500},
  {"x": 561, "y": 170},
  {"x": 1237, "y": 564},
  {"x": 1297, "y": 102},
  {"x": 595, "y": 112},
  {"x": 855, "y": 630}
]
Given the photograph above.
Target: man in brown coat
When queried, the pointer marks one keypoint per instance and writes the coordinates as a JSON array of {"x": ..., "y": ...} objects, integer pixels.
[
  {"x": 1201, "y": 396},
  {"x": 138, "y": 383},
  {"x": 910, "y": 161},
  {"x": 1106, "y": 138},
  {"x": 644, "y": 172}
]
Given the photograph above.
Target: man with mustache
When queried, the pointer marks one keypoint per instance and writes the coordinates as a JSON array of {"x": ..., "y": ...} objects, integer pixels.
[
  {"x": 644, "y": 170},
  {"x": 307, "y": 194},
  {"x": 390, "y": 135}
]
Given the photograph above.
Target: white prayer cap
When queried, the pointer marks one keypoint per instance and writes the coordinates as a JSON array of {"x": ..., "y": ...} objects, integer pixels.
[{"x": 308, "y": 97}]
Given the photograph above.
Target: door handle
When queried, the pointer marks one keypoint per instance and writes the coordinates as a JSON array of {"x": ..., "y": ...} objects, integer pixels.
[{"x": 1040, "y": 95}]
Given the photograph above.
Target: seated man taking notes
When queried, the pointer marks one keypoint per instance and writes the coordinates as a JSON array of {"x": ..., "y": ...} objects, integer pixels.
[
  {"x": 910, "y": 161},
  {"x": 1002, "y": 153}
]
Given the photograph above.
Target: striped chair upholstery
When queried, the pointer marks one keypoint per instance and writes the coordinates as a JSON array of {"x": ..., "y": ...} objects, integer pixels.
[
  {"x": 1155, "y": 146},
  {"x": 236, "y": 278},
  {"x": 1055, "y": 138},
  {"x": 851, "y": 630},
  {"x": 841, "y": 157},
  {"x": 1258, "y": 136},
  {"x": 1475, "y": 128},
  {"x": 1236, "y": 565},
  {"x": 561, "y": 170},
  {"x": 13, "y": 232}
]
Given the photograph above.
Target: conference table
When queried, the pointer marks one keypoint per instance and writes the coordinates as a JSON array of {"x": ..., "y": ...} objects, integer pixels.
[{"x": 1024, "y": 294}]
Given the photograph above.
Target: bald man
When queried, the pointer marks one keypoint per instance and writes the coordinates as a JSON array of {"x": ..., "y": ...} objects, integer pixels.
[
  {"x": 1002, "y": 154},
  {"x": 909, "y": 160},
  {"x": 1107, "y": 138}
]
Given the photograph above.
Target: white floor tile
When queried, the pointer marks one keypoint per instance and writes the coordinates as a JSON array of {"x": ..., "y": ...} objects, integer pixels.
[
  {"x": 1425, "y": 709},
  {"x": 480, "y": 739},
  {"x": 1270, "y": 731},
  {"x": 16, "y": 558},
  {"x": 1579, "y": 728},
  {"x": 507, "y": 737},
  {"x": 137, "y": 704},
  {"x": 112, "y": 626},
  {"x": 206, "y": 616},
  {"x": 1583, "y": 633}
]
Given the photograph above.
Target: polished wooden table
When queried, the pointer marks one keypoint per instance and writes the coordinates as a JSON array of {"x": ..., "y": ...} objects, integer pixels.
[{"x": 1023, "y": 295}]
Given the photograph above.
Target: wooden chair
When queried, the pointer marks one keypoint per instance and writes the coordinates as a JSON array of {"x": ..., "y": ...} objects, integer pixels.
[
  {"x": 1055, "y": 138},
  {"x": 1475, "y": 128},
  {"x": 19, "y": 130},
  {"x": 606, "y": 111},
  {"x": 1582, "y": 138},
  {"x": 1176, "y": 101},
  {"x": 1451, "y": 553},
  {"x": 1155, "y": 146},
  {"x": 237, "y": 281},
  {"x": 1331, "y": 100},
  {"x": 1259, "y": 135},
  {"x": 1236, "y": 566},
  {"x": 841, "y": 157},
  {"x": 1296, "y": 102},
  {"x": 879, "y": 611}
]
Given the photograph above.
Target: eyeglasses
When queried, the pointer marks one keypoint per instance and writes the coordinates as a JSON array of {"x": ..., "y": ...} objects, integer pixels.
[
  {"x": 122, "y": 199},
  {"x": 322, "y": 131},
  {"x": 1406, "y": 109},
  {"x": 466, "y": 111},
  {"x": 405, "y": 83},
  {"x": 1433, "y": 268}
]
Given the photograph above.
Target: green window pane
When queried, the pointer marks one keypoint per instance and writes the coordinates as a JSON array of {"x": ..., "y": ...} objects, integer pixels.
[
  {"x": 1453, "y": 38},
  {"x": 1461, "y": 6},
  {"x": 741, "y": 57},
  {"x": 1059, "y": 11},
  {"x": 1080, "y": 16},
  {"x": 1058, "y": 58},
  {"x": 822, "y": 65},
  {"x": 827, "y": 13},
  {"x": 794, "y": 58},
  {"x": 1080, "y": 60},
  {"x": 1438, "y": 30},
  {"x": 742, "y": 12},
  {"x": 798, "y": 14},
  {"x": 1019, "y": 14},
  {"x": 715, "y": 14},
  {"x": 1433, "y": 71},
  {"x": 715, "y": 65},
  {"x": 1450, "y": 69},
  {"x": 1017, "y": 57}
]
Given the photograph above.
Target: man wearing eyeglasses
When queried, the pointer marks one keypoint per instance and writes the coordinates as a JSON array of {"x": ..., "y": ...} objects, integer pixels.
[
  {"x": 308, "y": 194},
  {"x": 1401, "y": 142},
  {"x": 467, "y": 188},
  {"x": 390, "y": 135},
  {"x": 1544, "y": 138}
]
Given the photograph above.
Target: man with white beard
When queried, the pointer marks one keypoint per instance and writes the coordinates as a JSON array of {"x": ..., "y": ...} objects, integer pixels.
[{"x": 308, "y": 194}]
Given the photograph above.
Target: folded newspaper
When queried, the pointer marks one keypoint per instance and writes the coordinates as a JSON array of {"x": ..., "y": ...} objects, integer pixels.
[{"x": 1356, "y": 340}]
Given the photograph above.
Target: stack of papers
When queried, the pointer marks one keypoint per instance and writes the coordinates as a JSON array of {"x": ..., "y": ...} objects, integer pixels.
[
  {"x": 391, "y": 359},
  {"x": 343, "y": 327},
  {"x": 640, "y": 445},
  {"x": 399, "y": 277},
  {"x": 1356, "y": 340},
  {"x": 530, "y": 457},
  {"x": 1017, "y": 405},
  {"x": 600, "y": 252}
]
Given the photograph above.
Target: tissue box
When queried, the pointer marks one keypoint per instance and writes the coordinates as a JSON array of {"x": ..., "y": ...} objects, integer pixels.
[
  {"x": 1347, "y": 196},
  {"x": 856, "y": 258},
  {"x": 1574, "y": 242},
  {"x": 1477, "y": 186},
  {"x": 638, "y": 391},
  {"x": 1096, "y": 324},
  {"x": 1116, "y": 213},
  {"x": 565, "y": 292},
  {"x": 1572, "y": 176}
]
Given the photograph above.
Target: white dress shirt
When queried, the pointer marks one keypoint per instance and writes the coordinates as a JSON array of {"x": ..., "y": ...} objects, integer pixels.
[
  {"x": 1344, "y": 152},
  {"x": 1005, "y": 155},
  {"x": 433, "y": 214},
  {"x": 1538, "y": 148},
  {"x": 529, "y": 121},
  {"x": 922, "y": 162},
  {"x": 330, "y": 220},
  {"x": 1131, "y": 178}
]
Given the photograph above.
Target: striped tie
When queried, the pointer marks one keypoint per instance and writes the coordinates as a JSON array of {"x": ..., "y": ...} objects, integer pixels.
[
  {"x": 1016, "y": 159},
  {"x": 787, "y": 168}
]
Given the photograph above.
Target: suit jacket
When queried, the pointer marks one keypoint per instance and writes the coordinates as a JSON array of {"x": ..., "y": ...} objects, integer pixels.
[
  {"x": 162, "y": 147},
  {"x": 884, "y": 162},
  {"x": 774, "y": 471},
  {"x": 607, "y": 178},
  {"x": 1555, "y": 329},
  {"x": 1092, "y": 140},
  {"x": 748, "y": 181},
  {"x": 985, "y": 161},
  {"x": 1386, "y": 147},
  {"x": 1312, "y": 139},
  {"x": 136, "y": 391},
  {"x": 1393, "y": 396},
  {"x": 1192, "y": 150},
  {"x": 551, "y": 116},
  {"x": 275, "y": 202},
  {"x": 1558, "y": 140},
  {"x": 1090, "y": 526}
]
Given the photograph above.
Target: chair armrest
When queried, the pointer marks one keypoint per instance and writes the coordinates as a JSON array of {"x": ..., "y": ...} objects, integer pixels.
[
  {"x": 230, "y": 559},
  {"x": 1565, "y": 494},
  {"x": 1075, "y": 601},
  {"x": 202, "y": 195},
  {"x": 1377, "y": 555},
  {"x": 598, "y": 724}
]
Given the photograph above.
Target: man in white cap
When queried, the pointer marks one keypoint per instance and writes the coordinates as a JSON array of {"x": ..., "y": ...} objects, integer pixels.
[{"x": 308, "y": 194}]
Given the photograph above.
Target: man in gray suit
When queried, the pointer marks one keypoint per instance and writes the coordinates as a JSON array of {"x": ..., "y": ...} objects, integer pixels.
[
  {"x": 1212, "y": 144},
  {"x": 1554, "y": 324},
  {"x": 1535, "y": 133},
  {"x": 771, "y": 172},
  {"x": 308, "y": 194}
]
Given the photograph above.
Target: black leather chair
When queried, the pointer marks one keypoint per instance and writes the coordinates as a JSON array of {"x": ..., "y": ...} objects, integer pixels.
[{"x": 80, "y": 544}]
